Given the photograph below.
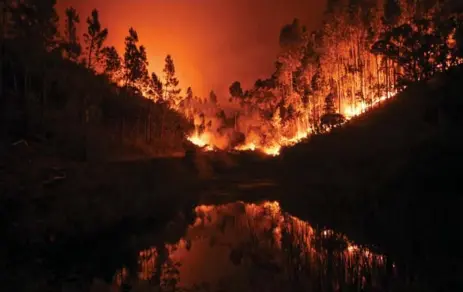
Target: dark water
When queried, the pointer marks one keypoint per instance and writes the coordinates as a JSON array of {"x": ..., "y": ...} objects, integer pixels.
[{"x": 229, "y": 247}]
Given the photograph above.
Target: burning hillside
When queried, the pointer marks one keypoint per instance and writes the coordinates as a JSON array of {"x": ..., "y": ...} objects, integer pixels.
[{"x": 363, "y": 55}]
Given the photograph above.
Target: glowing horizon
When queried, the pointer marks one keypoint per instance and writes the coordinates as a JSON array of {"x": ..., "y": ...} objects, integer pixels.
[{"x": 210, "y": 48}]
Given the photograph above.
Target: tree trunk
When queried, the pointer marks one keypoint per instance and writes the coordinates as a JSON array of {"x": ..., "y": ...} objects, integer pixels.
[
  {"x": 388, "y": 89},
  {"x": 90, "y": 51},
  {"x": 338, "y": 83},
  {"x": 162, "y": 123},
  {"x": 377, "y": 78}
]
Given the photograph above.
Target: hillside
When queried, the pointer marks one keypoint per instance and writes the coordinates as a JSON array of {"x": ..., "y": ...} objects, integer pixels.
[{"x": 390, "y": 177}]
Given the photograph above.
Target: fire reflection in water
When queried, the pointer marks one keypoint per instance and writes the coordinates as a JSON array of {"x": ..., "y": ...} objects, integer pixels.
[{"x": 245, "y": 247}]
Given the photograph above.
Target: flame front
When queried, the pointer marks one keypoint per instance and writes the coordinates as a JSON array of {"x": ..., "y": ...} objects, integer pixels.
[
  {"x": 201, "y": 140},
  {"x": 281, "y": 139}
]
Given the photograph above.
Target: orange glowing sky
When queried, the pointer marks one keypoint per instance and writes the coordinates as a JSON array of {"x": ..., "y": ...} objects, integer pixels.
[{"x": 213, "y": 42}]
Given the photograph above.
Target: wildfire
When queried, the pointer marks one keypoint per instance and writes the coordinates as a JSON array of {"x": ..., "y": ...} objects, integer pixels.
[
  {"x": 362, "y": 107},
  {"x": 206, "y": 139},
  {"x": 202, "y": 140},
  {"x": 269, "y": 150}
]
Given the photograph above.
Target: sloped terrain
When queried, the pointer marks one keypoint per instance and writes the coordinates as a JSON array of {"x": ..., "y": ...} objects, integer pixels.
[{"x": 391, "y": 177}]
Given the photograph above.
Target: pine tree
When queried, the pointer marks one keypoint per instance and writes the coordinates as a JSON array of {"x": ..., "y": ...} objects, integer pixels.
[
  {"x": 235, "y": 90},
  {"x": 112, "y": 63},
  {"x": 329, "y": 107},
  {"x": 135, "y": 61},
  {"x": 72, "y": 45},
  {"x": 156, "y": 87},
  {"x": 94, "y": 38},
  {"x": 187, "y": 104},
  {"x": 212, "y": 97},
  {"x": 172, "y": 92},
  {"x": 189, "y": 95},
  {"x": 34, "y": 25},
  {"x": 35, "y": 22}
]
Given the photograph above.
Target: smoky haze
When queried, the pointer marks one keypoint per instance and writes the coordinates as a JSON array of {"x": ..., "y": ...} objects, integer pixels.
[{"x": 212, "y": 42}]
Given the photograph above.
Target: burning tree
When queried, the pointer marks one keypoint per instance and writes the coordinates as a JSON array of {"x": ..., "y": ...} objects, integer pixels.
[{"x": 364, "y": 53}]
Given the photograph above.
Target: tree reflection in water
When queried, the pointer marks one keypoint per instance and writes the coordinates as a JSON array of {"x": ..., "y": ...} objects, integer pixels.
[{"x": 245, "y": 247}]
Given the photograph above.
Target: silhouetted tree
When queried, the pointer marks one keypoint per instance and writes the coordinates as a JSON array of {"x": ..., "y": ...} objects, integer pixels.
[
  {"x": 35, "y": 23},
  {"x": 189, "y": 95},
  {"x": 72, "y": 45},
  {"x": 156, "y": 87},
  {"x": 34, "y": 30},
  {"x": 172, "y": 92},
  {"x": 329, "y": 107},
  {"x": 235, "y": 90},
  {"x": 135, "y": 60},
  {"x": 112, "y": 63},
  {"x": 94, "y": 38},
  {"x": 212, "y": 97}
]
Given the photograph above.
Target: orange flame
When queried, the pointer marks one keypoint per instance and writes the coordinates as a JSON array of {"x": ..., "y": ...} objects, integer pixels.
[
  {"x": 201, "y": 140},
  {"x": 206, "y": 139}
]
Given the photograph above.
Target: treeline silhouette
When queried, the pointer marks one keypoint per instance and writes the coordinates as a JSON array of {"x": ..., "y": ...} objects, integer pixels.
[{"x": 80, "y": 98}]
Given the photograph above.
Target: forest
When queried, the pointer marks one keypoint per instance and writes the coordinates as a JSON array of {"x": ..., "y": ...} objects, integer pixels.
[
  {"x": 80, "y": 99},
  {"x": 97, "y": 102},
  {"x": 365, "y": 52}
]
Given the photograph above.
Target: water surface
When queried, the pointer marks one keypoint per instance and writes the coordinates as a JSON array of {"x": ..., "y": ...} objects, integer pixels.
[{"x": 248, "y": 247}]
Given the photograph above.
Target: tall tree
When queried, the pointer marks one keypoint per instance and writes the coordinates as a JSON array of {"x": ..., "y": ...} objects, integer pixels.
[
  {"x": 189, "y": 95},
  {"x": 156, "y": 87},
  {"x": 187, "y": 105},
  {"x": 35, "y": 22},
  {"x": 235, "y": 90},
  {"x": 135, "y": 60},
  {"x": 329, "y": 107},
  {"x": 72, "y": 45},
  {"x": 34, "y": 27},
  {"x": 172, "y": 92},
  {"x": 213, "y": 97},
  {"x": 94, "y": 38},
  {"x": 112, "y": 63}
]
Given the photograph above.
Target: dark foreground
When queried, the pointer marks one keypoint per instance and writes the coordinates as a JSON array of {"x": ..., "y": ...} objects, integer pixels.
[{"x": 389, "y": 180}]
